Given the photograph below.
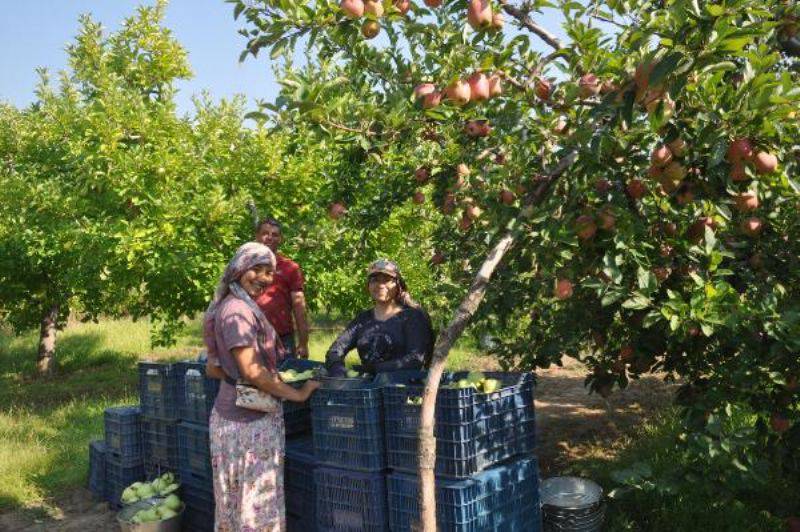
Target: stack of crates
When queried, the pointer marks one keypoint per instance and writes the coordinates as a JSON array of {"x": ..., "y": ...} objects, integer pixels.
[
  {"x": 485, "y": 464},
  {"x": 123, "y": 451},
  {"x": 97, "y": 469},
  {"x": 298, "y": 481},
  {"x": 196, "y": 395},
  {"x": 347, "y": 419},
  {"x": 158, "y": 394}
]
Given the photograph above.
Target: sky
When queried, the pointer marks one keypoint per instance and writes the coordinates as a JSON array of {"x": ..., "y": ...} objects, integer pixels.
[{"x": 34, "y": 33}]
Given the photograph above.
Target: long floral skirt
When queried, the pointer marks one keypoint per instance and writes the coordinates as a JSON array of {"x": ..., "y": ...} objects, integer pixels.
[{"x": 247, "y": 460}]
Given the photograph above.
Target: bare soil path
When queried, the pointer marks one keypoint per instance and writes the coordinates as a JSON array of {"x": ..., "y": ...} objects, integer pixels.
[{"x": 571, "y": 424}]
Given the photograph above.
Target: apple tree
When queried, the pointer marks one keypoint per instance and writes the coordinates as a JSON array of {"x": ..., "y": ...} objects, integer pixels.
[{"x": 630, "y": 186}]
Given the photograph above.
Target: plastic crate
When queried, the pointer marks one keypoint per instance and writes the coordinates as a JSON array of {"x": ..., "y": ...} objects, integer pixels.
[
  {"x": 505, "y": 497},
  {"x": 196, "y": 393},
  {"x": 199, "y": 513},
  {"x": 97, "y": 469},
  {"x": 297, "y": 416},
  {"x": 194, "y": 455},
  {"x": 350, "y": 501},
  {"x": 347, "y": 421},
  {"x": 123, "y": 433},
  {"x": 298, "y": 480},
  {"x": 158, "y": 390},
  {"x": 160, "y": 443},
  {"x": 473, "y": 430},
  {"x": 118, "y": 477}
]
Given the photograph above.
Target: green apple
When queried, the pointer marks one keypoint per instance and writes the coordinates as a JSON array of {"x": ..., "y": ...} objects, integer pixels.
[
  {"x": 169, "y": 489},
  {"x": 464, "y": 383},
  {"x": 475, "y": 377},
  {"x": 166, "y": 513},
  {"x": 351, "y": 373},
  {"x": 172, "y": 502},
  {"x": 491, "y": 385},
  {"x": 145, "y": 492}
]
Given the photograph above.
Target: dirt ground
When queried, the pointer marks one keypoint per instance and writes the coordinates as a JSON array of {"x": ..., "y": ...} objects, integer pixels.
[{"x": 571, "y": 424}]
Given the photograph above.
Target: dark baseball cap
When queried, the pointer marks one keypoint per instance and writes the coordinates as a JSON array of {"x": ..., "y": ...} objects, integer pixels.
[{"x": 384, "y": 266}]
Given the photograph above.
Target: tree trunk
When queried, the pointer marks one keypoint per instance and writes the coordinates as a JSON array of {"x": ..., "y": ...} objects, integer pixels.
[
  {"x": 427, "y": 442},
  {"x": 47, "y": 341}
]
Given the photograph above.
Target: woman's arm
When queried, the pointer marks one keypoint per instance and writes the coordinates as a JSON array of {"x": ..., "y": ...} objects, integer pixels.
[
  {"x": 251, "y": 369},
  {"x": 344, "y": 343},
  {"x": 213, "y": 371}
]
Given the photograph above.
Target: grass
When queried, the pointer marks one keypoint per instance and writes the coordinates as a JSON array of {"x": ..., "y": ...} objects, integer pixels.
[
  {"x": 698, "y": 504},
  {"x": 46, "y": 424}
]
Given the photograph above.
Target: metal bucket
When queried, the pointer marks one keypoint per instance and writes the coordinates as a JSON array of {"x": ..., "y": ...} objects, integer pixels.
[
  {"x": 572, "y": 504},
  {"x": 173, "y": 524}
]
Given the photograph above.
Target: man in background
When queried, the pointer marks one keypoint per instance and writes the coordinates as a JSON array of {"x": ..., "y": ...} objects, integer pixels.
[{"x": 283, "y": 302}]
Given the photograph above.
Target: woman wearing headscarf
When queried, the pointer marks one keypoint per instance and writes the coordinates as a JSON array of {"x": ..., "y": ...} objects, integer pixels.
[
  {"x": 394, "y": 334},
  {"x": 247, "y": 446}
]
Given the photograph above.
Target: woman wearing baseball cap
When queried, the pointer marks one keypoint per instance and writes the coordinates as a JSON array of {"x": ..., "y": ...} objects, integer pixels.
[{"x": 394, "y": 334}]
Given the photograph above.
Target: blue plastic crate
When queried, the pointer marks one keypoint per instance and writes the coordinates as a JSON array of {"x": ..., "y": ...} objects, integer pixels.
[
  {"x": 298, "y": 480},
  {"x": 97, "y": 469},
  {"x": 160, "y": 443},
  {"x": 350, "y": 501},
  {"x": 194, "y": 455},
  {"x": 158, "y": 390},
  {"x": 123, "y": 433},
  {"x": 196, "y": 393},
  {"x": 502, "y": 498},
  {"x": 199, "y": 513},
  {"x": 118, "y": 477},
  {"x": 348, "y": 424},
  {"x": 464, "y": 458}
]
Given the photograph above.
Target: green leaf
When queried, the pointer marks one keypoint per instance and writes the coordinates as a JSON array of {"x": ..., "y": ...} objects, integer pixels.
[
  {"x": 638, "y": 301},
  {"x": 715, "y": 10}
]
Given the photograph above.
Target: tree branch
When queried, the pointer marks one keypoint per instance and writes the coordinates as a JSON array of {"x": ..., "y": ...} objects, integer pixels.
[{"x": 526, "y": 22}]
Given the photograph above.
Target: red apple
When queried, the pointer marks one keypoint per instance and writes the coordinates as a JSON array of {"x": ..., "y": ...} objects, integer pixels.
[
  {"x": 542, "y": 89},
  {"x": 779, "y": 423},
  {"x": 448, "y": 203},
  {"x": 431, "y": 100},
  {"x": 607, "y": 220},
  {"x": 437, "y": 258},
  {"x": 674, "y": 172},
  {"x": 370, "y": 29},
  {"x": 765, "y": 163},
  {"x": 374, "y": 8},
  {"x": 602, "y": 186},
  {"x": 747, "y": 201},
  {"x": 433, "y": 3},
  {"x": 636, "y": 189},
  {"x": 739, "y": 150},
  {"x": 419, "y": 197},
  {"x": 495, "y": 85},
  {"x": 661, "y": 273},
  {"x": 685, "y": 196},
  {"x": 588, "y": 85},
  {"x": 626, "y": 353},
  {"x": 497, "y": 21},
  {"x": 793, "y": 524},
  {"x": 422, "y": 175},
  {"x": 563, "y": 289},
  {"x": 424, "y": 89},
  {"x": 752, "y": 226},
  {"x": 479, "y": 14},
  {"x": 478, "y": 86},
  {"x": 464, "y": 223},
  {"x": 655, "y": 172},
  {"x": 477, "y": 128},
  {"x": 473, "y": 212},
  {"x": 642, "y": 76},
  {"x": 352, "y": 8},
  {"x": 697, "y": 230},
  {"x": 661, "y": 155},
  {"x": 336, "y": 210},
  {"x": 677, "y": 147},
  {"x": 402, "y": 6},
  {"x": 506, "y": 197},
  {"x": 608, "y": 86},
  {"x": 560, "y": 128},
  {"x": 585, "y": 227},
  {"x": 458, "y": 92}
]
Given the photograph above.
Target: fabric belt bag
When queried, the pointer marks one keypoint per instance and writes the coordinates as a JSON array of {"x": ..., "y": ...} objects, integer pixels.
[{"x": 250, "y": 397}]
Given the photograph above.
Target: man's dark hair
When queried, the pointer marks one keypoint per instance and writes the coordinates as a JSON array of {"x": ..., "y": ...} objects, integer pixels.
[{"x": 269, "y": 221}]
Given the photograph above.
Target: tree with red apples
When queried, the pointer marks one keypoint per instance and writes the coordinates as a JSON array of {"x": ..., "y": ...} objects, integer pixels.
[{"x": 653, "y": 166}]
